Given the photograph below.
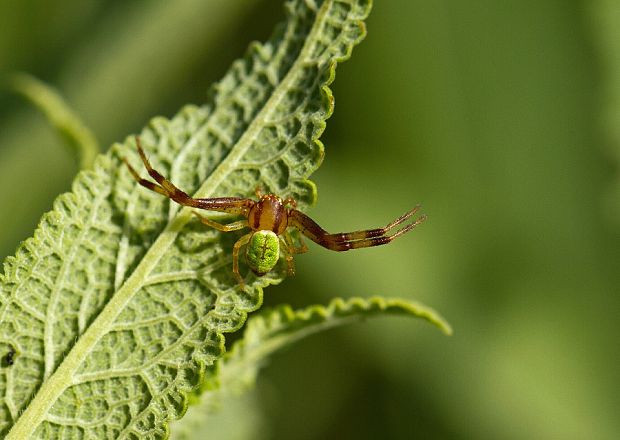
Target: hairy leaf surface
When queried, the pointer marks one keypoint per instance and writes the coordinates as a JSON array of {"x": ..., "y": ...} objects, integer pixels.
[{"x": 120, "y": 300}]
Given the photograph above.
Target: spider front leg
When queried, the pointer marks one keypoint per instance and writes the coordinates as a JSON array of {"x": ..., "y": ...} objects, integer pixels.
[
  {"x": 165, "y": 186},
  {"x": 345, "y": 241},
  {"x": 231, "y": 205}
]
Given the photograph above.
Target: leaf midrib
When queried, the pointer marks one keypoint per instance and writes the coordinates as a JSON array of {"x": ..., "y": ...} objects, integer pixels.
[{"x": 54, "y": 386}]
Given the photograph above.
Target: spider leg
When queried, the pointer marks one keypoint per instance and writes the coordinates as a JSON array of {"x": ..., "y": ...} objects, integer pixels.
[
  {"x": 145, "y": 183},
  {"x": 288, "y": 254},
  {"x": 345, "y": 241},
  {"x": 163, "y": 182},
  {"x": 290, "y": 249},
  {"x": 232, "y": 205},
  {"x": 236, "y": 248},
  {"x": 234, "y": 226},
  {"x": 301, "y": 249}
]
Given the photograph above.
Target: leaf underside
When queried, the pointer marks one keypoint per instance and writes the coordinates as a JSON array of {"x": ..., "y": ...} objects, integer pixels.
[{"x": 120, "y": 300}]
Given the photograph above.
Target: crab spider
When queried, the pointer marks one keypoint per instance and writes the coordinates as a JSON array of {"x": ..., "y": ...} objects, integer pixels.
[{"x": 269, "y": 217}]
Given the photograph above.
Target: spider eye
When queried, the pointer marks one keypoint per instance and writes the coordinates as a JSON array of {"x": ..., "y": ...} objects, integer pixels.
[{"x": 262, "y": 252}]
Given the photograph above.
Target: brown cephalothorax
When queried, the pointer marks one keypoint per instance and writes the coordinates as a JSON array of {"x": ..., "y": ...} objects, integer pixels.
[
  {"x": 269, "y": 213},
  {"x": 269, "y": 217}
]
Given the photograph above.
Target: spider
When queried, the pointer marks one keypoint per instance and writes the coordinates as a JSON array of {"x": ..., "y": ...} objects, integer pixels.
[{"x": 269, "y": 217}]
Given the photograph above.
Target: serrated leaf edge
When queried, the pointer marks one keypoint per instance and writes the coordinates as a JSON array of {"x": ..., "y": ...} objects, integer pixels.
[
  {"x": 274, "y": 329},
  {"x": 52, "y": 388}
]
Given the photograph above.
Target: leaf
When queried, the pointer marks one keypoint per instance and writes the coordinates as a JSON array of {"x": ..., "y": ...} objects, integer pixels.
[
  {"x": 273, "y": 330},
  {"x": 59, "y": 114},
  {"x": 120, "y": 300}
]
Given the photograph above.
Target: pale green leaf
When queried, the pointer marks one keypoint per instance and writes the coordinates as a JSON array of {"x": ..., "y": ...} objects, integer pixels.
[
  {"x": 118, "y": 303},
  {"x": 272, "y": 330},
  {"x": 68, "y": 124}
]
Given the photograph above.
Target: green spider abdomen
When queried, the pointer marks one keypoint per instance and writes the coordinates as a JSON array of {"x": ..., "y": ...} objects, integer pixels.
[{"x": 262, "y": 252}]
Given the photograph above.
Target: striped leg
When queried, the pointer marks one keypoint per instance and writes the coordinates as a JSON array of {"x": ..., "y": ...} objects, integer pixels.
[
  {"x": 232, "y": 205},
  {"x": 345, "y": 241}
]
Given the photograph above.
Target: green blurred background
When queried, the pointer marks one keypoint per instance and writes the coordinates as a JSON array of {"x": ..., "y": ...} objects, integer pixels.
[{"x": 501, "y": 117}]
